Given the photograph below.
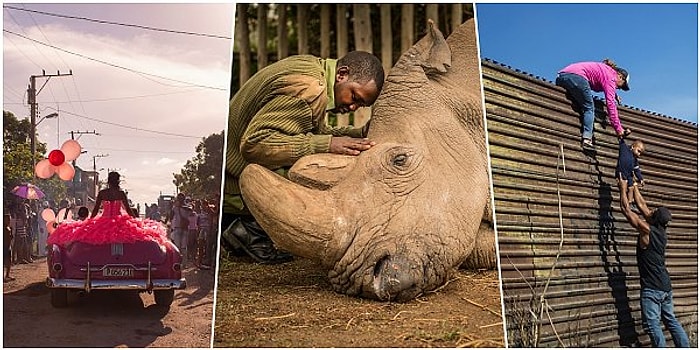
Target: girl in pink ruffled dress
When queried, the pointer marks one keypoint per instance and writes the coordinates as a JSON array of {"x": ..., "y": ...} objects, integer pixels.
[{"x": 117, "y": 223}]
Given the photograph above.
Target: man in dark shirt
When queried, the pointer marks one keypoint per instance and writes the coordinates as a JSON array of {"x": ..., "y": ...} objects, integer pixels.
[{"x": 656, "y": 293}]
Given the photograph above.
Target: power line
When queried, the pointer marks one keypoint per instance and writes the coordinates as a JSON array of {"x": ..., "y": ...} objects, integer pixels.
[
  {"x": 17, "y": 46},
  {"x": 40, "y": 52},
  {"x": 130, "y": 127},
  {"x": 17, "y": 93},
  {"x": 119, "y": 98},
  {"x": 114, "y": 65},
  {"x": 38, "y": 27},
  {"x": 141, "y": 151},
  {"x": 119, "y": 24}
]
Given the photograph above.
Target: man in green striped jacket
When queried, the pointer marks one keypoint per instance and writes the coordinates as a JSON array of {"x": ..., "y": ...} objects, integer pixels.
[{"x": 278, "y": 116}]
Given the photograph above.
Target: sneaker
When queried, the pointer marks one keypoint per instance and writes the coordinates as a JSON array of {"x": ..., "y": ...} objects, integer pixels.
[
  {"x": 626, "y": 133},
  {"x": 587, "y": 144}
]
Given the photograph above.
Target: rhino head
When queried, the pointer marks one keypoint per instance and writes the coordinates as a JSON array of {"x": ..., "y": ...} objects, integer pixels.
[{"x": 396, "y": 220}]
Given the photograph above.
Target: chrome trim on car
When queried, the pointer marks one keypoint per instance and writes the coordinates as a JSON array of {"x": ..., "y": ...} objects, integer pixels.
[
  {"x": 149, "y": 278},
  {"x": 87, "y": 285},
  {"x": 97, "y": 269}
]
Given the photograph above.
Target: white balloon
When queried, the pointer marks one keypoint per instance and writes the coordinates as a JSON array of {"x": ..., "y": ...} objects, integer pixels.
[
  {"x": 44, "y": 169},
  {"x": 65, "y": 171},
  {"x": 48, "y": 215},
  {"x": 71, "y": 149}
]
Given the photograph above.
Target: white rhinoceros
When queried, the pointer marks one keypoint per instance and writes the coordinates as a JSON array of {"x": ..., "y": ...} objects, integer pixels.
[{"x": 395, "y": 221}]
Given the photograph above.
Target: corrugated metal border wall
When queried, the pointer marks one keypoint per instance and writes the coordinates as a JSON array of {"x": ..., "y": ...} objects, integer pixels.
[{"x": 592, "y": 297}]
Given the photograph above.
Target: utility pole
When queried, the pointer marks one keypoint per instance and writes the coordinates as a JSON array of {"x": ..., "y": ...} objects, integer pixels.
[
  {"x": 32, "y": 93},
  {"x": 74, "y": 132},
  {"x": 94, "y": 170}
]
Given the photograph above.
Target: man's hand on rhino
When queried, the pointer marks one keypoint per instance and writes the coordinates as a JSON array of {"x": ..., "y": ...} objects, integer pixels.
[{"x": 349, "y": 145}]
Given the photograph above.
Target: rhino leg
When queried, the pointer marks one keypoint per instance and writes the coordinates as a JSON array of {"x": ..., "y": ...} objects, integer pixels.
[{"x": 484, "y": 254}]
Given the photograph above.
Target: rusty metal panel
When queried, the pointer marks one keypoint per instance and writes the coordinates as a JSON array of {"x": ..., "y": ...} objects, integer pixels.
[{"x": 583, "y": 270}]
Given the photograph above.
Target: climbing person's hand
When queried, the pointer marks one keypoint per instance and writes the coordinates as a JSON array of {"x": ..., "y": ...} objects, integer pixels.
[
  {"x": 618, "y": 99},
  {"x": 624, "y": 134}
]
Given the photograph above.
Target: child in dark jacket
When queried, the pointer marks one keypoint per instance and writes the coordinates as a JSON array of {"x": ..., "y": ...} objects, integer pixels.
[{"x": 628, "y": 166}]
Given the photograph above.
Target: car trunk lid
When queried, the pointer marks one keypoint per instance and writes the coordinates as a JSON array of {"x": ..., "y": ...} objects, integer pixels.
[{"x": 138, "y": 253}]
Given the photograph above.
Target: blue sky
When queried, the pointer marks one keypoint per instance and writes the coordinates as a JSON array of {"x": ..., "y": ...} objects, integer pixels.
[{"x": 656, "y": 43}]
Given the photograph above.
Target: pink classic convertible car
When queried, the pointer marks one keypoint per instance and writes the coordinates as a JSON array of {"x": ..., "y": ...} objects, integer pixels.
[{"x": 142, "y": 266}]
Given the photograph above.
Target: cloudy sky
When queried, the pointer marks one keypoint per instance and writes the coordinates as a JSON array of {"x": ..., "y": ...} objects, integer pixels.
[{"x": 151, "y": 95}]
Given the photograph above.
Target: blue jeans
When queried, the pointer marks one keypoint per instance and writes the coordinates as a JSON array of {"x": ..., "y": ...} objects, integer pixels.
[
  {"x": 657, "y": 306},
  {"x": 580, "y": 90}
]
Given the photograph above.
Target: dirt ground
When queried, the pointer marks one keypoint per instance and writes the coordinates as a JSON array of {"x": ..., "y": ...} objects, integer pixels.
[
  {"x": 293, "y": 305},
  {"x": 105, "y": 318}
]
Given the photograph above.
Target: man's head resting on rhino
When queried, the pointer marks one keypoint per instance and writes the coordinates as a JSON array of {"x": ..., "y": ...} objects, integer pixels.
[{"x": 359, "y": 77}]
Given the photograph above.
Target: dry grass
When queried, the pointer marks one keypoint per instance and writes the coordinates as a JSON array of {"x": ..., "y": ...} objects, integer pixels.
[{"x": 293, "y": 305}]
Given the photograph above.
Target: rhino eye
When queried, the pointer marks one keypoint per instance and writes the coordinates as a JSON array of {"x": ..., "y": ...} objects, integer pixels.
[
  {"x": 400, "y": 160},
  {"x": 402, "y": 168}
]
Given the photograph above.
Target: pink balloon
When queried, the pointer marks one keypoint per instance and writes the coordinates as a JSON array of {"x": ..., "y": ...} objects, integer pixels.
[
  {"x": 50, "y": 226},
  {"x": 48, "y": 215},
  {"x": 44, "y": 169},
  {"x": 65, "y": 171},
  {"x": 71, "y": 149}
]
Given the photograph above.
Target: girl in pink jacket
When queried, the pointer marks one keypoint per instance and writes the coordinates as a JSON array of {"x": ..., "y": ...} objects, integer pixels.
[{"x": 580, "y": 79}]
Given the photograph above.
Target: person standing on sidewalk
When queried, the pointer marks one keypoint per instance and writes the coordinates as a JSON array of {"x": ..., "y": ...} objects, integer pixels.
[
  {"x": 22, "y": 238},
  {"x": 7, "y": 239},
  {"x": 179, "y": 221}
]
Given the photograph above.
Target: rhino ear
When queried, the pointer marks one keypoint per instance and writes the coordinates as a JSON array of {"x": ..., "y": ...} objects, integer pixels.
[
  {"x": 435, "y": 54},
  {"x": 465, "y": 59},
  {"x": 426, "y": 59}
]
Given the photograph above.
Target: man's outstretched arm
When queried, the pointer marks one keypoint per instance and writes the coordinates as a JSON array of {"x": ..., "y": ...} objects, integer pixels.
[
  {"x": 641, "y": 203},
  {"x": 638, "y": 223}
]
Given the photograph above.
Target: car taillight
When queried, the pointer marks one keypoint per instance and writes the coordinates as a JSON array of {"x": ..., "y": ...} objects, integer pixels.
[
  {"x": 177, "y": 267},
  {"x": 57, "y": 267}
]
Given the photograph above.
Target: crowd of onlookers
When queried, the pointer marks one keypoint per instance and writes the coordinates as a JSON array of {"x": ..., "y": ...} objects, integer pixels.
[
  {"x": 23, "y": 227},
  {"x": 193, "y": 226}
]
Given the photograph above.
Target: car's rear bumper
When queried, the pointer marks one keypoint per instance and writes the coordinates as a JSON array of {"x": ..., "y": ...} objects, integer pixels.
[{"x": 87, "y": 285}]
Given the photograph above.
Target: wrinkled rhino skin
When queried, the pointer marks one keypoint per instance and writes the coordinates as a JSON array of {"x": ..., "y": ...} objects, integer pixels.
[{"x": 397, "y": 220}]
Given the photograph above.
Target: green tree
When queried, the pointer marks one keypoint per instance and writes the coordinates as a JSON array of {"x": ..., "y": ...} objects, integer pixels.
[
  {"x": 18, "y": 163},
  {"x": 201, "y": 175}
]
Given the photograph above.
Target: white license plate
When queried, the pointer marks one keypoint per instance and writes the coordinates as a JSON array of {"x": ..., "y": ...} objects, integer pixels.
[{"x": 118, "y": 272}]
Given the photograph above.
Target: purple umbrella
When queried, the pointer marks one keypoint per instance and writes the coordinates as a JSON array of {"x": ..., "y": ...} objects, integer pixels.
[{"x": 28, "y": 191}]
